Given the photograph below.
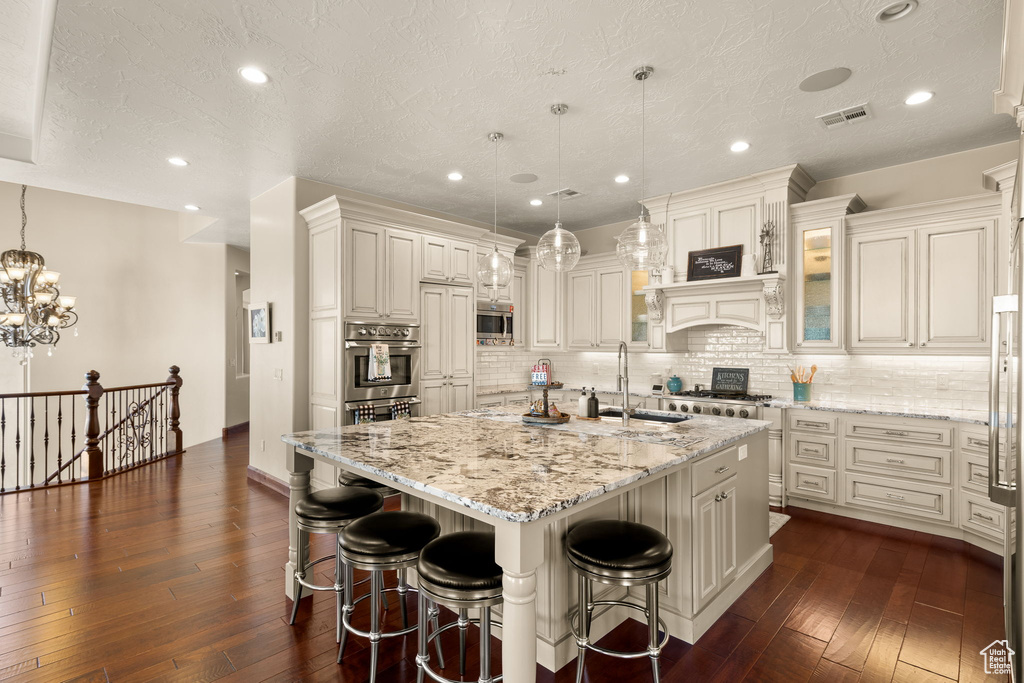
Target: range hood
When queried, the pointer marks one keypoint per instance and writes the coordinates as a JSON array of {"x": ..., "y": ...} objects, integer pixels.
[{"x": 756, "y": 302}]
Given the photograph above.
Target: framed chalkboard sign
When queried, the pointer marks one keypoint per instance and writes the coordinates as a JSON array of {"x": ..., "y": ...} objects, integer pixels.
[
  {"x": 730, "y": 380},
  {"x": 710, "y": 264}
]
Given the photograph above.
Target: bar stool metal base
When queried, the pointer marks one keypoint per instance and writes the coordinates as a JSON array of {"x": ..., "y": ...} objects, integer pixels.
[{"x": 484, "y": 622}]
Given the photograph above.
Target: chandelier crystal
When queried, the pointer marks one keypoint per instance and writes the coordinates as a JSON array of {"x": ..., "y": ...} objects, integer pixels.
[
  {"x": 558, "y": 249},
  {"x": 36, "y": 311},
  {"x": 494, "y": 270},
  {"x": 642, "y": 246}
]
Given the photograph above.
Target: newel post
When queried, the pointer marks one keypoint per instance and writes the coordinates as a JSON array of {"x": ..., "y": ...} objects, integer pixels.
[
  {"x": 174, "y": 443},
  {"x": 93, "y": 453}
]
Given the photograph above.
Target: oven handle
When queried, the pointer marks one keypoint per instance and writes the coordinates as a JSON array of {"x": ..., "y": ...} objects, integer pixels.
[{"x": 399, "y": 345}]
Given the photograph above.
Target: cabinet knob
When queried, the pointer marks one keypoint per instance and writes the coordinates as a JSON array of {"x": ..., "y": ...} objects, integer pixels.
[
  {"x": 718, "y": 499},
  {"x": 924, "y": 343},
  {"x": 910, "y": 343},
  {"x": 725, "y": 494}
]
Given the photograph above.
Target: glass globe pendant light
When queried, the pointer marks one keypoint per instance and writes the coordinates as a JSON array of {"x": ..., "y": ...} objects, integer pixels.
[
  {"x": 558, "y": 249},
  {"x": 494, "y": 270},
  {"x": 642, "y": 246}
]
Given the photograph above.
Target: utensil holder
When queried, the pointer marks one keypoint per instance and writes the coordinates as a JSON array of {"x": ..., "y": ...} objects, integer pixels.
[{"x": 802, "y": 392}]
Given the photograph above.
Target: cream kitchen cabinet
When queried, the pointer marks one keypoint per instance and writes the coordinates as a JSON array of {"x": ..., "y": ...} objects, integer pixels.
[
  {"x": 447, "y": 260},
  {"x": 381, "y": 273},
  {"x": 447, "y": 357},
  {"x": 922, "y": 278},
  {"x": 714, "y": 539},
  {"x": 520, "y": 311},
  {"x": 597, "y": 307},
  {"x": 546, "y": 303}
]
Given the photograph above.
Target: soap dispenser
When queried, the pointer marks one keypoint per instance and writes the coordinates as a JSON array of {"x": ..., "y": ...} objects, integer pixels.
[{"x": 593, "y": 407}]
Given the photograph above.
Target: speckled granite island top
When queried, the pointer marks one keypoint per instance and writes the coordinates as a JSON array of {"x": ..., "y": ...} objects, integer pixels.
[{"x": 487, "y": 461}]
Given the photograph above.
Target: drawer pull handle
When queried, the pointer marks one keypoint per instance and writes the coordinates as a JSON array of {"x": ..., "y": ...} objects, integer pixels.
[
  {"x": 987, "y": 518},
  {"x": 816, "y": 450},
  {"x": 895, "y": 495},
  {"x": 977, "y": 442},
  {"x": 898, "y": 461},
  {"x": 722, "y": 469},
  {"x": 895, "y": 432},
  {"x": 808, "y": 423},
  {"x": 804, "y": 482},
  {"x": 725, "y": 494}
]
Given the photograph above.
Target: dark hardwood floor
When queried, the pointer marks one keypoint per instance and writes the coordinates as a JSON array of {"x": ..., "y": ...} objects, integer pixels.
[{"x": 174, "y": 573}]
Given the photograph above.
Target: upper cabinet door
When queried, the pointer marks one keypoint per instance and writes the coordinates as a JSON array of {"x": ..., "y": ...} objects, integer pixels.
[
  {"x": 364, "y": 272},
  {"x": 817, "y": 288},
  {"x": 461, "y": 331},
  {"x": 611, "y": 308},
  {"x": 462, "y": 263},
  {"x": 402, "y": 284},
  {"x": 688, "y": 231},
  {"x": 580, "y": 332},
  {"x": 546, "y": 292},
  {"x": 882, "y": 291},
  {"x": 324, "y": 269},
  {"x": 434, "y": 333},
  {"x": 738, "y": 224},
  {"x": 435, "y": 259},
  {"x": 956, "y": 281},
  {"x": 519, "y": 312}
]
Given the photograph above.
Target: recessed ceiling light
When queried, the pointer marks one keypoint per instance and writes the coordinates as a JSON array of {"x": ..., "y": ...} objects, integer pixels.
[
  {"x": 896, "y": 10},
  {"x": 523, "y": 177},
  {"x": 191, "y": 207},
  {"x": 535, "y": 202},
  {"x": 740, "y": 146},
  {"x": 622, "y": 178},
  {"x": 919, "y": 97},
  {"x": 177, "y": 161},
  {"x": 253, "y": 75},
  {"x": 454, "y": 175}
]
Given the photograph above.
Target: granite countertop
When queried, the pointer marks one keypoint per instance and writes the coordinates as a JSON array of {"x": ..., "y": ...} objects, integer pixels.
[
  {"x": 497, "y": 389},
  {"x": 488, "y": 460},
  {"x": 952, "y": 414}
]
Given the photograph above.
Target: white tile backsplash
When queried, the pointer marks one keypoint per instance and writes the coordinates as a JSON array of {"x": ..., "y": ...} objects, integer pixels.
[{"x": 905, "y": 381}]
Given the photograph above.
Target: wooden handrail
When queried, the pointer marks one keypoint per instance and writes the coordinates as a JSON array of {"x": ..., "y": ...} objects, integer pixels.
[
  {"x": 107, "y": 390},
  {"x": 42, "y": 394}
]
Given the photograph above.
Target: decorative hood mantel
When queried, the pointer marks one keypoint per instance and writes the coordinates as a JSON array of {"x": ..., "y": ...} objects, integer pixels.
[{"x": 756, "y": 302}]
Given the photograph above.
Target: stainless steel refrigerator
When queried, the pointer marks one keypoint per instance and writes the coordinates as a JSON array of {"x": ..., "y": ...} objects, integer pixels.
[{"x": 1005, "y": 410}]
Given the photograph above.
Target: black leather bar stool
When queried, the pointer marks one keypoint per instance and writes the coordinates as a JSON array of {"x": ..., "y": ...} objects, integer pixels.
[
  {"x": 458, "y": 571},
  {"x": 619, "y": 554},
  {"x": 378, "y": 543},
  {"x": 346, "y": 478},
  {"x": 329, "y": 512}
]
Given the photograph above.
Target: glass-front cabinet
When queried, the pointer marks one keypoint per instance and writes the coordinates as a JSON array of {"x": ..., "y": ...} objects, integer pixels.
[
  {"x": 638, "y": 279},
  {"x": 818, "y": 230}
]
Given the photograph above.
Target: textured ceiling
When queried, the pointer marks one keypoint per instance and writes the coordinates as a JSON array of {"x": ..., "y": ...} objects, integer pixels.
[{"x": 388, "y": 96}]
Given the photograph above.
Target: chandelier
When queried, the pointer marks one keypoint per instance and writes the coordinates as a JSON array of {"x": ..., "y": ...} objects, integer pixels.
[
  {"x": 36, "y": 310},
  {"x": 642, "y": 246},
  {"x": 558, "y": 249}
]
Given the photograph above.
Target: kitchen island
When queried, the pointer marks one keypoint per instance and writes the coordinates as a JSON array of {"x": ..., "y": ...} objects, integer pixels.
[{"x": 702, "y": 482}]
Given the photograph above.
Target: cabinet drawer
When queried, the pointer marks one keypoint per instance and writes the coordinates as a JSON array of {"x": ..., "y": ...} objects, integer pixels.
[
  {"x": 976, "y": 441},
  {"x": 902, "y": 433},
  {"x": 812, "y": 421},
  {"x": 715, "y": 469},
  {"x": 909, "y": 462},
  {"x": 982, "y": 516},
  {"x": 812, "y": 450},
  {"x": 811, "y": 482},
  {"x": 524, "y": 397},
  {"x": 974, "y": 472},
  {"x": 898, "y": 497}
]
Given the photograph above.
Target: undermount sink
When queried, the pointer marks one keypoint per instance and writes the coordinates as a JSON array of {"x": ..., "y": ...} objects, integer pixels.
[{"x": 643, "y": 416}]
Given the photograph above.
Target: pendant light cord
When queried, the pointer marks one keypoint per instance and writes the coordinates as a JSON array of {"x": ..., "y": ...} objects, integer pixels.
[
  {"x": 495, "y": 193},
  {"x": 643, "y": 141},
  {"x": 24, "y": 216},
  {"x": 558, "y": 190}
]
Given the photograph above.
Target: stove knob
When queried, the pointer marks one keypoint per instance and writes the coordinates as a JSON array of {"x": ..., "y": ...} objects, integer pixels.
[
  {"x": 671, "y": 406},
  {"x": 716, "y": 410},
  {"x": 406, "y": 332},
  {"x": 729, "y": 412},
  {"x": 697, "y": 409},
  {"x": 744, "y": 413},
  {"x": 684, "y": 408},
  {"x": 362, "y": 331}
]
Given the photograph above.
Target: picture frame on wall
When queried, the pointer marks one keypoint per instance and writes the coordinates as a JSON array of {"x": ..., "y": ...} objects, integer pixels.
[{"x": 258, "y": 323}]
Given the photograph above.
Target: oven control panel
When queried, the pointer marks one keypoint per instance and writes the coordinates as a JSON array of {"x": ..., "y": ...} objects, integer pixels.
[{"x": 375, "y": 332}]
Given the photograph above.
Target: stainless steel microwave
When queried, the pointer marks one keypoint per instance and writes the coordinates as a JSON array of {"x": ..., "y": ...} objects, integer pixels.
[{"x": 493, "y": 323}]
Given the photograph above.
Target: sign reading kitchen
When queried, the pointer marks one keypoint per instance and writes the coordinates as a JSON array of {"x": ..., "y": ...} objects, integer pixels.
[{"x": 710, "y": 264}]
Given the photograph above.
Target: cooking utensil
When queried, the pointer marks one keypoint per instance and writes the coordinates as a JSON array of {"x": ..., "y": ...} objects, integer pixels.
[{"x": 814, "y": 369}]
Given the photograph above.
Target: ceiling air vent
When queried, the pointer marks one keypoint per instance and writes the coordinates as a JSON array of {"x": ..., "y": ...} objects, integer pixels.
[
  {"x": 566, "y": 193},
  {"x": 845, "y": 116}
]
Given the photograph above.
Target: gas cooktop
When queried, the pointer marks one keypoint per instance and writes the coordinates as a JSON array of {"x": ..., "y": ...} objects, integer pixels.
[{"x": 722, "y": 396}]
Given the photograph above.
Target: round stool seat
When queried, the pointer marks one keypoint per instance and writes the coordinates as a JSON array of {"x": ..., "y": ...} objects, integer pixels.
[
  {"x": 393, "y": 533},
  {"x": 350, "y": 479},
  {"x": 620, "y": 550},
  {"x": 461, "y": 566},
  {"x": 337, "y": 505}
]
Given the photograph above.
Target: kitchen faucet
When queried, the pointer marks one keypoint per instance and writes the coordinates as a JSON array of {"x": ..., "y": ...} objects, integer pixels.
[{"x": 623, "y": 379}]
